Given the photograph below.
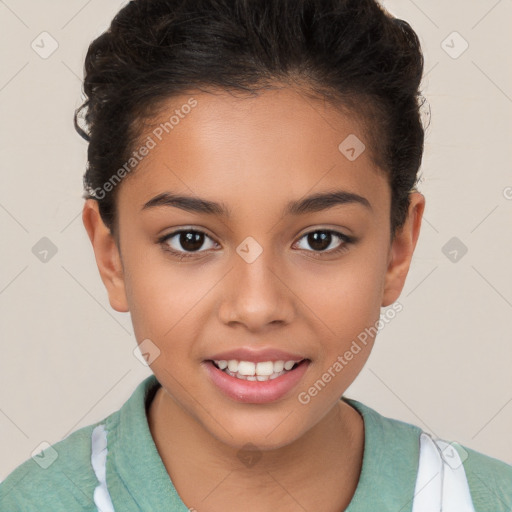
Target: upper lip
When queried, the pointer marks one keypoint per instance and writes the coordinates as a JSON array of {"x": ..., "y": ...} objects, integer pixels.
[{"x": 257, "y": 356}]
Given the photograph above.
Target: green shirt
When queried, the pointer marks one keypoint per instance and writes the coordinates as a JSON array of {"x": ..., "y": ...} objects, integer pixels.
[{"x": 138, "y": 481}]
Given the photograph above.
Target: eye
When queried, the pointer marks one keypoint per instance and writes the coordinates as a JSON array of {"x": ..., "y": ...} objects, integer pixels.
[
  {"x": 184, "y": 242},
  {"x": 324, "y": 241}
]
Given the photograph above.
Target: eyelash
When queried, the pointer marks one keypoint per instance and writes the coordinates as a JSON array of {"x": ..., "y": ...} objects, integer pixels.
[{"x": 184, "y": 255}]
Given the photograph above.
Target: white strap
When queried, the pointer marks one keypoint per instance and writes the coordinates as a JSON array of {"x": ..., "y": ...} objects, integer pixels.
[
  {"x": 99, "y": 452},
  {"x": 441, "y": 485}
]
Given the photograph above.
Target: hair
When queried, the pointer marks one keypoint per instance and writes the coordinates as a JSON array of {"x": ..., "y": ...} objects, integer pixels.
[{"x": 352, "y": 53}]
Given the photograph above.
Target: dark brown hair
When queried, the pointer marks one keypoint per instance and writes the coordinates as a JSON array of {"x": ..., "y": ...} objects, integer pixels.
[{"x": 350, "y": 52}]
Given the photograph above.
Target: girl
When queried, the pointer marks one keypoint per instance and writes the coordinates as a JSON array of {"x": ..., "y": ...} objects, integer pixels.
[{"x": 251, "y": 201}]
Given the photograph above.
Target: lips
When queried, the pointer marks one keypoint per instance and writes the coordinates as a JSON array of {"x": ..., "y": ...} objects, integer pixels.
[{"x": 256, "y": 392}]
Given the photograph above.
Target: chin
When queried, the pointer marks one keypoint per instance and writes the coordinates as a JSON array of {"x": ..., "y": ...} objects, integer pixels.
[{"x": 263, "y": 435}]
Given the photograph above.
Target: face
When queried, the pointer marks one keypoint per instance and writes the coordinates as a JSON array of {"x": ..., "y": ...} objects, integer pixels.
[{"x": 265, "y": 272}]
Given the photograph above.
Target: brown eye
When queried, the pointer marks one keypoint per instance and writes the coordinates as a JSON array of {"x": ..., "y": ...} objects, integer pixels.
[
  {"x": 324, "y": 240},
  {"x": 319, "y": 240},
  {"x": 185, "y": 241},
  {"x": 191, "y": 240}
]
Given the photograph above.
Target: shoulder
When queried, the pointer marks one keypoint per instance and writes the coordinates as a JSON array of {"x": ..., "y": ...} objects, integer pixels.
[
  {"x": 60, "y": 478},
  {"x": 389, "y": 431},
  {"x": 489, "y": 479}
]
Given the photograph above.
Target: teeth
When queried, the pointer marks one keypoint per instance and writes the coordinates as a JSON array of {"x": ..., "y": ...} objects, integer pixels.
[
  {"x": 265, "y": 369},
  {"x": 259, "y": 378},
  {"x": 233, "y": 365},
  {"x": 278, "y": 366},
  {"x": 247, "y": 370}
]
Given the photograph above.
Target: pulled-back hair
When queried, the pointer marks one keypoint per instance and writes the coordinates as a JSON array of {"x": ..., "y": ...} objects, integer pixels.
[{"x": 350, "y": 52}]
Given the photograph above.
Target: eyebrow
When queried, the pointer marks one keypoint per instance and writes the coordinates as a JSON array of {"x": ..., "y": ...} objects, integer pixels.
[{"x": 313, "y": 203}]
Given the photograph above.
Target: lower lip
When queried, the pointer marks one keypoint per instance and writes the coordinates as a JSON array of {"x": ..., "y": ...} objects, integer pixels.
[{"x": 256, "y": 392}]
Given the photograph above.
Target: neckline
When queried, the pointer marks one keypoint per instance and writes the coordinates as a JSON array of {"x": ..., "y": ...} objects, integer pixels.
[
  {"x": 382, "y": 466},
  {"x": 363, "y": 487},
  {"x": 390, "y": 462}
]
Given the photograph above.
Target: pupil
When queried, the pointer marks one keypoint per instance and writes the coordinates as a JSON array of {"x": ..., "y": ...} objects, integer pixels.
[
  {"x": 191, "y": 240},
  {"x": 317, "y": 240}
]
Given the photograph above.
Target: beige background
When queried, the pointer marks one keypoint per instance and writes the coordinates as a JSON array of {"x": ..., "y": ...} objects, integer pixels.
[{"x": 443, "y": 363}]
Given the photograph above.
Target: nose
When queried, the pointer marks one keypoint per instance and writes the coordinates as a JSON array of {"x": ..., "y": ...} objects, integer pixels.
[{"x": 256, "y": 294}]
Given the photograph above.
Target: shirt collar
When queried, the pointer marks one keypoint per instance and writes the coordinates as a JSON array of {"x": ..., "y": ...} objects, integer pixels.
[{"x": 387, "y": 479}]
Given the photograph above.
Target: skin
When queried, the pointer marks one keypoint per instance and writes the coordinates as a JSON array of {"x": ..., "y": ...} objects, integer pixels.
[{"x": 254, "y": 155}]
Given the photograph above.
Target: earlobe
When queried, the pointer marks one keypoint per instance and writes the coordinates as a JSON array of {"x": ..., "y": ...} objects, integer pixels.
[
  {"x": 107, "y": 256},
  {"x": 402, "y": 249}
]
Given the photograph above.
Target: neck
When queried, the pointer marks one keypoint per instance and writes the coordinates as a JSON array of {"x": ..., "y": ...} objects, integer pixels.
[{"x": 319, "y": 471}]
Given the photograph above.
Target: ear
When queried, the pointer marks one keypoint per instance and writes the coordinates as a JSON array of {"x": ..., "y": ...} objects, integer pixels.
[
  {"x": 107, "y": 255},
  {"x": 401, "y": 250}
]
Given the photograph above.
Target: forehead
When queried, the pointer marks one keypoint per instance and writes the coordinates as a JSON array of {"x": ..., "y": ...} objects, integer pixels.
[{"x": 253, "y": 151}]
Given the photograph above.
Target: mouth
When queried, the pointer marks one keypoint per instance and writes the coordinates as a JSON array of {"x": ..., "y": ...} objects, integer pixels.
[
  {"x": 262, "y": 382},
  {"x": 256, "y": 372}
]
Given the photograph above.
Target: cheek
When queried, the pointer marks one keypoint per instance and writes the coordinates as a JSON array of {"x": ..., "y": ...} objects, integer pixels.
[
  {"x": 165, "y": 299},
  {"x": 346, "y": 297},
  {"x": 346, "y": 306}
]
